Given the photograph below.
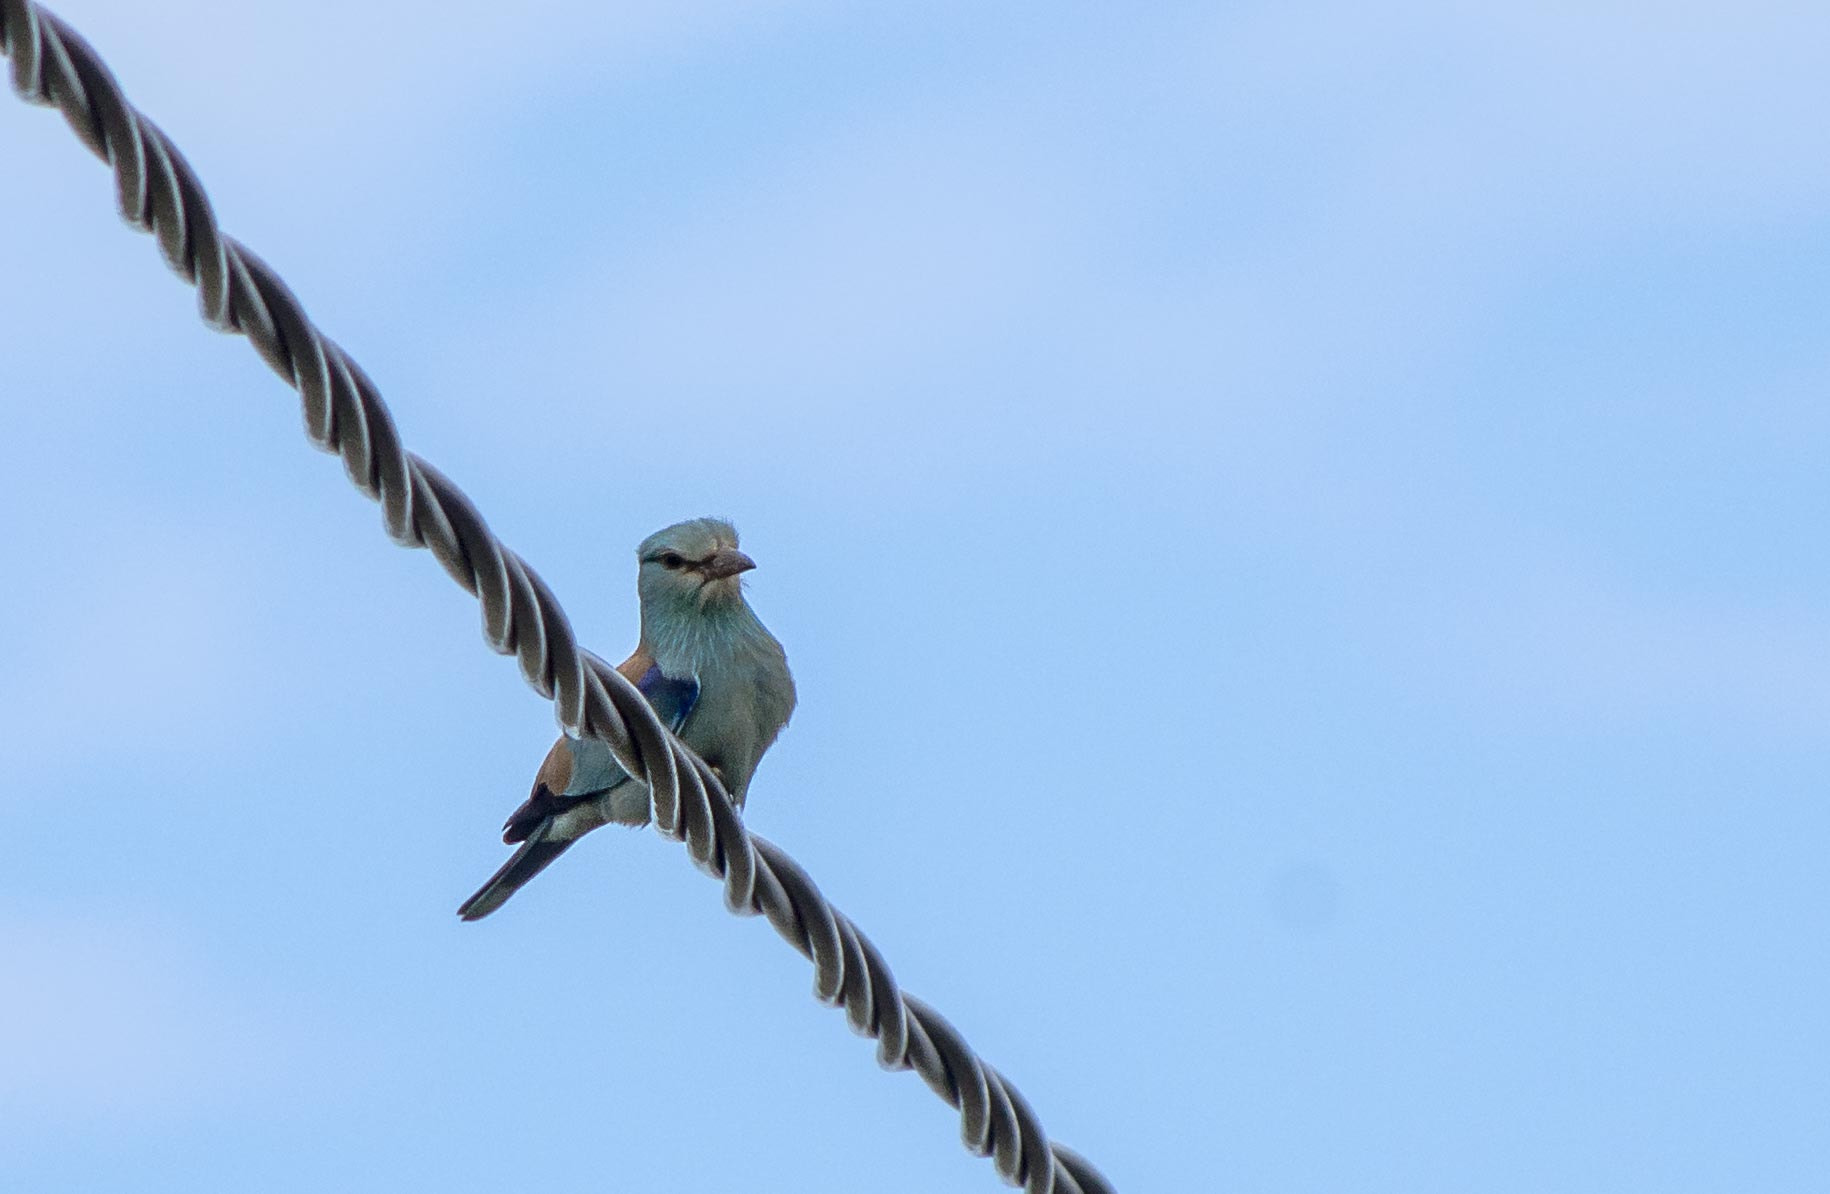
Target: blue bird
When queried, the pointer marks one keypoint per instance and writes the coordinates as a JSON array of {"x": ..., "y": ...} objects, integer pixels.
[{"x": 713, "y": 673}]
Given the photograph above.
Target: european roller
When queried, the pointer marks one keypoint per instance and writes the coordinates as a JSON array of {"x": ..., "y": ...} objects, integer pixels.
[{"x": 713, "y": 673}]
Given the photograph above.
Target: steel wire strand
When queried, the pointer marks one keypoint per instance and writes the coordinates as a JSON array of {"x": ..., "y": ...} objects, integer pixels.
[{"x": 343, "y": 412}]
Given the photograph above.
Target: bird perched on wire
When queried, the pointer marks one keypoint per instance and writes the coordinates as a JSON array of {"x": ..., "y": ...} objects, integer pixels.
[{"x": 711, "y": 670}]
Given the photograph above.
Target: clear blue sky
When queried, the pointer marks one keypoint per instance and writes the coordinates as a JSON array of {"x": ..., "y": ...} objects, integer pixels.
[{"x": 1301, "y": 531}]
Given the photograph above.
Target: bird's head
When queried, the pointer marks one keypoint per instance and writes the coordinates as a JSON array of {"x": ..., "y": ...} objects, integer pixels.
[{"x": 693, "y": 565}]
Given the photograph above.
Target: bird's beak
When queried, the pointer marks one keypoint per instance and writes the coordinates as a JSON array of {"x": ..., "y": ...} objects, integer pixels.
[{"x": 727, "y": 563}]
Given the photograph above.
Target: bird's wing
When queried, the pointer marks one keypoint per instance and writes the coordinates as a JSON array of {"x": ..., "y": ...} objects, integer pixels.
[
  {"x": 580, "y": 768},
  {"x": 672, "y": 699}
]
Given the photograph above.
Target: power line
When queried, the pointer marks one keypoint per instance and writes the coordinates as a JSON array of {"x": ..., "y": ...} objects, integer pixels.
[{"x": 344, "y": 414}]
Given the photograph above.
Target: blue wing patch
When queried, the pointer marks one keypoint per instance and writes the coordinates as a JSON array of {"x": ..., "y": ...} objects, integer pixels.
[{"x": 673, "y": 700}]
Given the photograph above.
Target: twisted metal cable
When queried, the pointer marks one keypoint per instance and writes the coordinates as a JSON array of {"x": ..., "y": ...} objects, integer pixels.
[{"x": 237, "y": 292}]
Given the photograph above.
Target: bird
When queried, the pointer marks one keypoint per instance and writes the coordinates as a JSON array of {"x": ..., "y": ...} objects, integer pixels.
[{"x": 711, "y": 671}]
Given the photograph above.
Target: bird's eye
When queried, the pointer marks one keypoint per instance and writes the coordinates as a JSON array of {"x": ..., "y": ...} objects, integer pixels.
[{"x": 671, "y": 560}]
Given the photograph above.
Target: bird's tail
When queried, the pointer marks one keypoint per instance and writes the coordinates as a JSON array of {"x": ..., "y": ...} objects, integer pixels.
[{"x": 534, "y": 856}]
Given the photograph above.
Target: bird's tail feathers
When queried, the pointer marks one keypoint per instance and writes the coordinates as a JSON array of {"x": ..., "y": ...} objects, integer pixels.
[{"x": 534, "y": 856}]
